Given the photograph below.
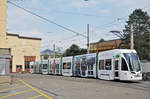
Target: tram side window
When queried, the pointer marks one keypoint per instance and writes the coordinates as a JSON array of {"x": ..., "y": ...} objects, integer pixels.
[
  {"x": 108, "y": 64},
  {"x": 31, "y": 66},
  {"x": 124, "y": 65},
  {"x": 101, "y": 65},
  {"x": 64, "y": 65},
  {"x": 44, "y": 66},
  {"x": 69, "y": 65}
]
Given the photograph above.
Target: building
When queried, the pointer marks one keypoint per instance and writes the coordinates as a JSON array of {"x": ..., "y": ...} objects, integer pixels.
[
  {"x": 23, "y": 49},
  {"x": 106, "y": 45}
]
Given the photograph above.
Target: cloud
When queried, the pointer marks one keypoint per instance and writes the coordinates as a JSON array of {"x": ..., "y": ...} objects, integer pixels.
[
  {"x": 81, "y": 4},
  {"x": 105, "y": 11},
  {"x": 131, "y": 3},
  {"x": 35, "y": 3}
]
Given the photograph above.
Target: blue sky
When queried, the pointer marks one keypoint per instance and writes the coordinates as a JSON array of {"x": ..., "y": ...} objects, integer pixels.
[{"x": 102, "y": 15}]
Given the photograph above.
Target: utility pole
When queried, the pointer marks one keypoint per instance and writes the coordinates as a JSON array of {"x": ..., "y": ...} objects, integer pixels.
[
  {"x": 131, "y": 37},
  {"x": 54, "y": 59},
  {"x": 88, "y": 43},
  {"x": 54, "y": 51},
  {"x": 149, "y": 38}
]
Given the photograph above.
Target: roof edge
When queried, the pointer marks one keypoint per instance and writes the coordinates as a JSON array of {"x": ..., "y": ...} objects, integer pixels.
[{"x": 23, "y": 37}]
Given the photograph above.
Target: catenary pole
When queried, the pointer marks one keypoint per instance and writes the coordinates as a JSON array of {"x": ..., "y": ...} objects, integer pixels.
[
  {"x": 131, "y": 37},
  {"x": 88, "y": 43}
]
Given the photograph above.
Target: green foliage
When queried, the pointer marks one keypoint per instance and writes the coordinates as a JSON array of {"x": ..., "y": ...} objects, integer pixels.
[
  {"x": 74, "y": 50},
  {"x": 46, "y": 57},
  {"x": 101, "y": 40},
  {"x": 141, "y": 29}
]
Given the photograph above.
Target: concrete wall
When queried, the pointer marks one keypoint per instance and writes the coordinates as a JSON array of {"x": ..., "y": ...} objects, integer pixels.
[
  {"x": 5, "y": 51},
  {"x": 3, "y": 16},
  {"x": 21, "y": 47}
]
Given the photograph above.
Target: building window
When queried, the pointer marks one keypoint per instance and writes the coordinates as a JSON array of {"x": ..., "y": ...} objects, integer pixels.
[
  {"x": 19, "y": 66},
  {"x": 69, "y": 65},
  {"x": 108, "y": 64},
  {"x": 101, "y": 65},
  {"x": 27, "y": 65}
]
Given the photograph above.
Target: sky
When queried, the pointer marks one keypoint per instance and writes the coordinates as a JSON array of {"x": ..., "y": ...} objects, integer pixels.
[{"x": 102, "y": 16}]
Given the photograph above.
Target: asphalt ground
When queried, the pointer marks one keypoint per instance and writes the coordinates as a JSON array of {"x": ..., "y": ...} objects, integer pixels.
[
  {"x": 37, "y": 86},
  {"x": 19, "y": 89}
]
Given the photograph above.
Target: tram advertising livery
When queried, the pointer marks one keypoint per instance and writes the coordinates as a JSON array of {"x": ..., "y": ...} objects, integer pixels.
[{"x": 120, "y": 64}]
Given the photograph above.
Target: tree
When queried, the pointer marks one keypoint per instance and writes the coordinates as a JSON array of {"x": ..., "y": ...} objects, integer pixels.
[
  {"x": 83, "y": 51},
  {"x": 101, "y": 40},
  {"x": 74, "y": 50},
  {"x": 141, "y": 26}
]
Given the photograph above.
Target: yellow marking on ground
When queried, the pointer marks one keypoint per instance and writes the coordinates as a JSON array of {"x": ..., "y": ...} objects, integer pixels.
[
  {"x": 36, "y": 90},
  {"x": 17, "y": 93},
  {"x": 11, "y": 88},
  {"x": 34, "y": 97}
]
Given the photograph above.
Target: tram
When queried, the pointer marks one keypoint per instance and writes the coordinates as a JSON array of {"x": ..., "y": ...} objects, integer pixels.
[
  {"x": 35, "y": 67},
  {"x": 68, "y": 66},
  {"x": 85, "y": 65},
  {"x": 32, "y": 67},
  {"x": 57, "y": 66},
  {"x": 45, "y": 66},
  {"x": 121, "y": 64},
  {"x": 117, "y": 64}
]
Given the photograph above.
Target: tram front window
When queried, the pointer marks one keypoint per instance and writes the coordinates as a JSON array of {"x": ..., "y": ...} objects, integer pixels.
[{"x": 133, "y": 61}]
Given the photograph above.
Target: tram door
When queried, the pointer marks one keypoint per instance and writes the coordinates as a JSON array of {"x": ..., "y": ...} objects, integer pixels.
[
  {"x": 116, "y": 68},
  {"x": 77, "y": 66},
  {"x": 83, "y": 66},
  {"x": 57, "y": 68}
]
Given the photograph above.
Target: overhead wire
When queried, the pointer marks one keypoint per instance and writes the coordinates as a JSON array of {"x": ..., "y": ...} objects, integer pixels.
[{"x": 46, "y": 19}]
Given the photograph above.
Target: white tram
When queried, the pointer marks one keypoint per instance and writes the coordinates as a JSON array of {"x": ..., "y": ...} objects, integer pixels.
[
  {"x": 45, "y": 66},
  {"x": 121, "y": 64},
  {"x": 117, "y": 64},
  {"x": 58, "y": 66},
  {"x": 32, "y": 67},
  {"x": 67, "y": 64},
  {"x": 85, "y": 65}
]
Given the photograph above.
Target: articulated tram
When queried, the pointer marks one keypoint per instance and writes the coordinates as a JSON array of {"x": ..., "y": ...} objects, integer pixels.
[{"x": 117, "y": 64}]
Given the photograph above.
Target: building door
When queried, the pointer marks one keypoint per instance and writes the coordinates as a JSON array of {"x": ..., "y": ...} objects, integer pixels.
[{"x": 11, "y": 64}]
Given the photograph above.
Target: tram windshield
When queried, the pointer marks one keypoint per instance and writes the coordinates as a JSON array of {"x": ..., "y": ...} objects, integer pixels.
[{"x": 133, "y": 61}]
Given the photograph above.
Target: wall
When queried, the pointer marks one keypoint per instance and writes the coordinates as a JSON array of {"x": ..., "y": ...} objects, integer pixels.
[
  {"x": 3, "y": 16},
  {"x": 106, "y": 45},
  {"x": 21, "y": 47}
]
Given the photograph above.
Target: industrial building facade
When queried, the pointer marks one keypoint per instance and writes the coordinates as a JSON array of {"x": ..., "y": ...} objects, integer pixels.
[
  {"x": 105, "y": 45},
  {"x": 23, "y": 49}
]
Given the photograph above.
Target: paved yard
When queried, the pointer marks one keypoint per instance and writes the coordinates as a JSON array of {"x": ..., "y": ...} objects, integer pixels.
[{"x": 59, "y": 87}]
